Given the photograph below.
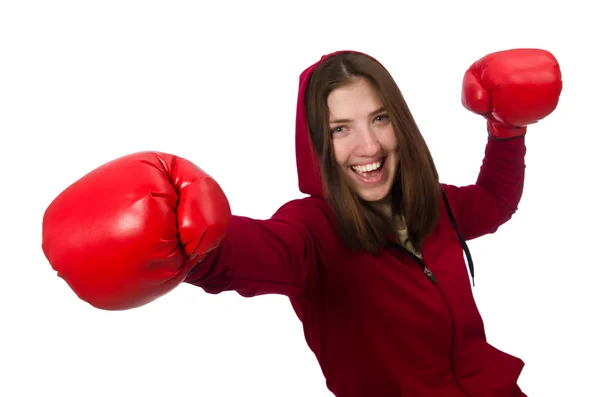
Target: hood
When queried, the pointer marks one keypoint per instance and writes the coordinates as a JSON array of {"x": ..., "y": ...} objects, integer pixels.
[{"x": 307, "y": 161}]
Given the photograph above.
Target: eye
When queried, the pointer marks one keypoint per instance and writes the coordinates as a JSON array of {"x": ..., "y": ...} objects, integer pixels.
[
  {"x": 382, "y": 117},
  {"x": 336, "y": 129}
]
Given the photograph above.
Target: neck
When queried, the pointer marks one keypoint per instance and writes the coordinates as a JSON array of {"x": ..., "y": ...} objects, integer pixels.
[{"x": 384, "y": 205}]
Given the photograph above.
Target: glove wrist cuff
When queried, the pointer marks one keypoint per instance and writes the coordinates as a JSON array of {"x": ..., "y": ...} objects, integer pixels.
[{"x": 499, "y": 131}]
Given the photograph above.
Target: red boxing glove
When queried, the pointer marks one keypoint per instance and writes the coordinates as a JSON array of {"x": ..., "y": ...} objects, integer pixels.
[
  {"x": 512, "y": 89},
  {"x": 121, "y": 236}
]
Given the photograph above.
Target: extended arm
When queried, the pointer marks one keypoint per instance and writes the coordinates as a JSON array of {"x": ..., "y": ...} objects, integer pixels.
[
  {"x": 123, "y": 235},
  {"x": 275, "y": 256}
]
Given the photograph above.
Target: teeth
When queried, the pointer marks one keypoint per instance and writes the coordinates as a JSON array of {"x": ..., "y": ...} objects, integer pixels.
[{"x": 367, "y": 168}]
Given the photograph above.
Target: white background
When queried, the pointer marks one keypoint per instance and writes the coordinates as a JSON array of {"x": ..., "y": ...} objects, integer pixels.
[{"x": 84, "y": 82}]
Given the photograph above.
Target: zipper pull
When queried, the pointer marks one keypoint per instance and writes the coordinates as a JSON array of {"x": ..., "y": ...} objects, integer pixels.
[{"x": 429, "y": 274}]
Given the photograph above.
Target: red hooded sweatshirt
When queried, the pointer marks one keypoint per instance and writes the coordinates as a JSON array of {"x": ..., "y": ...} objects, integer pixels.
[{"x": 378, "y": 324}]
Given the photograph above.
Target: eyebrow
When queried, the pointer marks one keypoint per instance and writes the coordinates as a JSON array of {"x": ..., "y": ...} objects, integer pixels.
[{"x": 373, "y": 113}]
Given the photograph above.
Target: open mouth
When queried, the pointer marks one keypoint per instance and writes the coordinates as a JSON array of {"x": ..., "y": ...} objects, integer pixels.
[{"x": 371, "y": 171}]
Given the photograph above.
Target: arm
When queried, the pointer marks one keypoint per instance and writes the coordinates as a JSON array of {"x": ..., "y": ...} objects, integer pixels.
[
  {"x": 274, "y": 256},
  {"x": 512, "y": 89},
  {"x": 483, "y": 207}
]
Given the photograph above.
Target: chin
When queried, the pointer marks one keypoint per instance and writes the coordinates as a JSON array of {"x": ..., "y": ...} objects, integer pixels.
[{"x": 374, "y": 195}]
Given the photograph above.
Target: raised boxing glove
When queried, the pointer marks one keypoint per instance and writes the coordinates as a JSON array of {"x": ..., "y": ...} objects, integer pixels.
[
  {"x": 512, "y": 89},
  {"x": 123, "y": 235}
]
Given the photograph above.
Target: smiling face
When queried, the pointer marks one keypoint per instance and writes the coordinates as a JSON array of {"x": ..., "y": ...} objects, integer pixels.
[
  {"x": 364, "y": 142},
  {"x": 348, "y": 127}
]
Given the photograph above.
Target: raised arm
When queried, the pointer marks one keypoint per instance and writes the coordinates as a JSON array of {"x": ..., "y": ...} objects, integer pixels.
[
  {"x": 481, "y": 208},
  {"x": 512, "y": 89},
  {"x": 274, "y": 256}
]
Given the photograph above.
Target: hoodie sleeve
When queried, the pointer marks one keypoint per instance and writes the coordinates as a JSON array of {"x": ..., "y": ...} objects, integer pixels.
[
  {"x": 273, "y": 256},
  {"x": 481, "y": 208}
]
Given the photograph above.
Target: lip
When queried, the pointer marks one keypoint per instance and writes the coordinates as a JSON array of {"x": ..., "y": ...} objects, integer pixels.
[
  {"x": 370, "y": 182},
  {"x": 382, "y": 158}
]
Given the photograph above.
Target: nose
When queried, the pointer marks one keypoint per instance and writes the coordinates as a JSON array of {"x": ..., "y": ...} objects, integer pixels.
[{"x": 368, "y": 142}]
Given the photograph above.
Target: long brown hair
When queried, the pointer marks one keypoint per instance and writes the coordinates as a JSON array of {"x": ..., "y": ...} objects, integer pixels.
[{"x": 415, "y": 193}]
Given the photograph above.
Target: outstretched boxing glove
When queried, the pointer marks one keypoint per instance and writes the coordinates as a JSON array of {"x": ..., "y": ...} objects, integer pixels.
[
  {"x": 124, "y": 234},
  {"x": 512, "y": 89}
]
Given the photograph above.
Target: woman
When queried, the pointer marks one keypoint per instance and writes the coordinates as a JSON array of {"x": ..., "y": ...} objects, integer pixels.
[{"x": 372, "y": 260}]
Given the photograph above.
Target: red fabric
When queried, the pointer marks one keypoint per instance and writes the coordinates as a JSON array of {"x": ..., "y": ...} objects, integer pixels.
[{"x": 376, "y": 323}]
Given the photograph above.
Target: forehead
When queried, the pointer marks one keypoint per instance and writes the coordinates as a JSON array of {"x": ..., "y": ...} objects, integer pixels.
[{"x": 356, "y": 99}]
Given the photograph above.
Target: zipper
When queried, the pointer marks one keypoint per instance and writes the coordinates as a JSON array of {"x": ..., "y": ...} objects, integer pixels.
[
  {"x": 453, "y": 321},
  {"x": 426, "y": 270},
  {"x": 433, "y": 279},
  {"x": 429, "y": 274}
]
